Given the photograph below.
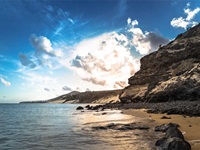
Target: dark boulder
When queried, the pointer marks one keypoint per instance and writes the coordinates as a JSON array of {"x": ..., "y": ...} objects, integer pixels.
[
  {"x": 173, "y": 144},
  {"x": 79, "y": 108},
  {"x": 165, "y": 117},
  {"x": 174, "y": 132},
  {"x": 173, "y": 140}
]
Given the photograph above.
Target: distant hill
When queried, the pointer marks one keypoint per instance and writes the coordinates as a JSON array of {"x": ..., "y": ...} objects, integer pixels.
[{"x": 108, "y": 96}]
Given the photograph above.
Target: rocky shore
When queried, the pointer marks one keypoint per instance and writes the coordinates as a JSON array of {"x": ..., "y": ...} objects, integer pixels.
[
  {"x": 166, "y": 136},
  {"x": 189, "y": 108}
]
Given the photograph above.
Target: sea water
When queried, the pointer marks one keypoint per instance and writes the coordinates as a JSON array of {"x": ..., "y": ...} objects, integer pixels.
[{"x": 62, "y": 127}]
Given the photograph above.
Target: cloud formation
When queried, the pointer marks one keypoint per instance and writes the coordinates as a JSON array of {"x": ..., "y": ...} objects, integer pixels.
[
  {"x": 25, "y": 61},
  {"x": 44, "y": 54},
  {"x": 66, "y": 88},
  {"x": 144, "y": 42},
  {"x": 106, "y": 60},
  {"x": 47, "y": 89},
  {"x": 6, "y": 83},
  {"x": 187, "y": 21},
  {"x": 42, "y": 45},
  {"x": 59, "y": 18}
]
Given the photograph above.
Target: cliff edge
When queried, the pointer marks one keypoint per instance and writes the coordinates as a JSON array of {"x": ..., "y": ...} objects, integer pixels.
[{"x": 172, "y": 73}]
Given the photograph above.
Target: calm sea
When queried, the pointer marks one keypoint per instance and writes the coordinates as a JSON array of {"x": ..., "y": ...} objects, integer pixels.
[{"x": 62, "y": 127}]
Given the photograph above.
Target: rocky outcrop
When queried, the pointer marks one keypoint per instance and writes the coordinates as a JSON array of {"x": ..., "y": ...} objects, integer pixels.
[{"x": 169, "y": 74}]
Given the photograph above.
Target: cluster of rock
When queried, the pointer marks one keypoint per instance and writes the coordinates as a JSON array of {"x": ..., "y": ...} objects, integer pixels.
[
  {"x": 189, "y": 108},
  {"x": 173, "y": 139},
  {"x": 172, "y": 73},
  {"x": 113, "y": 126},
  {"x": 89, "y": 107}
]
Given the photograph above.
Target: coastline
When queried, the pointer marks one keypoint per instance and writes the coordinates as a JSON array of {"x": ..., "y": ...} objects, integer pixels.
[{"x": 188, "y": 125}]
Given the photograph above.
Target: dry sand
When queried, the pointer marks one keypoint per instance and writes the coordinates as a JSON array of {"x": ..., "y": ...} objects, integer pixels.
[{"x": 190, "y": 126}]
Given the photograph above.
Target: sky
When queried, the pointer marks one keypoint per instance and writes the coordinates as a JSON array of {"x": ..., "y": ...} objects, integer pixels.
[{"x": 49, "y": 48}]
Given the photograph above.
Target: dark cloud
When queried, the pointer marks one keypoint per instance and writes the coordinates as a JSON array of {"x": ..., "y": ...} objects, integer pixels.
[
  {"x": 76, "y": 62},
  {"x": 66, "y": 88},
  {"x": 47, "y": 89},
  {"x": 25, "y": 61},
  {"x": 156, "y": 40}
]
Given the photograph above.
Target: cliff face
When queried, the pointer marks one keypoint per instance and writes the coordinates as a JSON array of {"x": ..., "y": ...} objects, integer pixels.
[{"x": 169, "y": 74}]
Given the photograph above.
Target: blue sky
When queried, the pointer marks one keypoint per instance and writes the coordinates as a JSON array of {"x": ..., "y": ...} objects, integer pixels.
[{"x": 48, "y": 48}]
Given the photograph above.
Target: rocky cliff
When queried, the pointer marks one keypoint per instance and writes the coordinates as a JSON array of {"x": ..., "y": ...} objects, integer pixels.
[{"x": 169, "y": 74}]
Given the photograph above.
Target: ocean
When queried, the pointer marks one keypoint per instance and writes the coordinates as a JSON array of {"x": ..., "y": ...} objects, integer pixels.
[{"x": 62, "y": 127}]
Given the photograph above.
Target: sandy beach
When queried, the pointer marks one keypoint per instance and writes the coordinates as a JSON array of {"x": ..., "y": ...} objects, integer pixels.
[{"x": 188, "y": 125}]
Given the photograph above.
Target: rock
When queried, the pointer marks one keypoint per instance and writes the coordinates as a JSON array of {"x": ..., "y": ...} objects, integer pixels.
[
  {"x": 100, "y": 128},
  {"x": 169, "y": 74},
  {"x": 165, "y": 117},
  {"x": 113, "y": 126},
  {"x": 178, "y": 144},
  {"x": 79, "y": 108},
  {"x": 173, "y": 140},
  {"x": 104, "y": 113},
  {"x": 87, "y": 106},
  {"x": 165, "y": 127},
  {"x": 142, "y": 127},
  {"x": 174, "y": 132},
  {"x": 125, "y": 127},
  {"x": 173, "y": 144}
]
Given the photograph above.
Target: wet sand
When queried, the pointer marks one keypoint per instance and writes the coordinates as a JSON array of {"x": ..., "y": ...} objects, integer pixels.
[
  {"x": 112, "y": 139},
  {"x": 188, "y": 125}
]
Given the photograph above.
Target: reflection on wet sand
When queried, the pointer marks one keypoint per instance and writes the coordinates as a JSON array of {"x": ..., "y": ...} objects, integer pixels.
[{"x": 116, "y": 139}]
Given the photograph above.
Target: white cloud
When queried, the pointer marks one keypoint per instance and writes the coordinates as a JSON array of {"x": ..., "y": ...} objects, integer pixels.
[
  {"x": 179, "y": 22},
  {"x": 191, "y": 13},
  {"x": 42, "y": 45},
  {"x": 105, "y": 59},
  {"x": 186, "y": 22},
  {"x": 188, "y": 5},
  {"x": 6, "y": 83},
  {"x": 71, "y": 20},
  {"x": 44, "y": 53},
  {"x": 129, "y": 21}
]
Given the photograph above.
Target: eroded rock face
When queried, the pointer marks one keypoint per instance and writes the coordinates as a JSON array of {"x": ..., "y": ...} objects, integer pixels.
[{"x": 169, "y": 74}]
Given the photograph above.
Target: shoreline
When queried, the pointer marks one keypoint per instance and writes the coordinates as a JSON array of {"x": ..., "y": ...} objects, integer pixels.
[{"x": 189, "y": 126}]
